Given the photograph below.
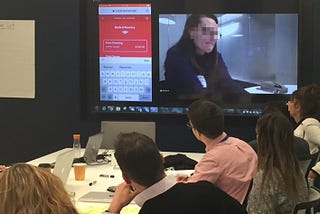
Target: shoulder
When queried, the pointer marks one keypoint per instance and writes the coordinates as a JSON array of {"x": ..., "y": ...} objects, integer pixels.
[
  {"x": 175, "y": 49},
  {"x": 310, "y": 121},
  {"x": 198, "y": 197},
  {"x": 219, "y": 57},
  {"x": 241, "y": 144},
  {"x": 176, "y": 55},
  {"x": 208, "y": 192}
]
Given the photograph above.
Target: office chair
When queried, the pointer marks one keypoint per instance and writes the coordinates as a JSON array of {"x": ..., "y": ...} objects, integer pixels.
[
  {"x": 314, "y": 160},
  {"x": 312, "y": 201},
  {"x": 305, "y": 166},
  {"x": 245, "y": 201}
]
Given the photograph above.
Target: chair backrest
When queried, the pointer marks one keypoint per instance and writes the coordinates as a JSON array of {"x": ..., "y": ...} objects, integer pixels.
[
  {"x": 305, "y": 166},
  {"x": 312, "y": 201},
  {"x": 314, "y": 159},
  {"x": 245, "y": 201}
]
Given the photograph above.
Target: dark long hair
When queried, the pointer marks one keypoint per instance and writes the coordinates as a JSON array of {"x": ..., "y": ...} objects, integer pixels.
[
  {"x": 276, "y": 153},
  {"x": 187, "y": 43}
]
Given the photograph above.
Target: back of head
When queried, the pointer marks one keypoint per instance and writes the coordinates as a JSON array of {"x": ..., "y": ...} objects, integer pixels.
[
  {"x": 206, "y": 117},
  {"x": 28, "y": 189},
  {"x": 276, "y": 107},
  {"x": 275, "y": 150},
  {"x": 139, "y": 158},
  {"x": 274, "y": 136},
  {"x": 309, "y": 99}
]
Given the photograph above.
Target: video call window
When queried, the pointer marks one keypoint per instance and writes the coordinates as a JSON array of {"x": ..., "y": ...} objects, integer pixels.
[{"x": 261, "y": 49}]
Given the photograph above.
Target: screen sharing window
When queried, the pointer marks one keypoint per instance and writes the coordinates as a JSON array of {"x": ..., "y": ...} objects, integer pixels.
[{"x": 125, "y": 52}]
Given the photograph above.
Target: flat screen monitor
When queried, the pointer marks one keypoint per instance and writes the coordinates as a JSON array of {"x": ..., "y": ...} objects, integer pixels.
[{"x": 132, "y": 65}]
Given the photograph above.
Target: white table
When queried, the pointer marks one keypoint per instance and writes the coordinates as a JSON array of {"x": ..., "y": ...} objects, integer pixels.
[
  {"x": 102, "y": 183},
  {"x": 257, "y": 90}
]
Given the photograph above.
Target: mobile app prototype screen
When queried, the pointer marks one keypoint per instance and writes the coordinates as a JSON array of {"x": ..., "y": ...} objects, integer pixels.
[{"x": 125, "y": 52}]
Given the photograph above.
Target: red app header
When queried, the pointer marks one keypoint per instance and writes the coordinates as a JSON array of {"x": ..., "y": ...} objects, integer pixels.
[{"x": 125, "y": 30}]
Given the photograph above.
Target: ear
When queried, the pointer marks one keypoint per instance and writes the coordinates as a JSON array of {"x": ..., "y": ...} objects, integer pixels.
[
  {"x": 197, "y": 132},
  {"x": 126, "y": 178},
  {"x": 297, "y": 106}
]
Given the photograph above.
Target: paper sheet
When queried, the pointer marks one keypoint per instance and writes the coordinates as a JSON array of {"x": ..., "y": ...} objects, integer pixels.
[
  {"x": 96, "y": 209},
  {"x": 17, "y": 63}
]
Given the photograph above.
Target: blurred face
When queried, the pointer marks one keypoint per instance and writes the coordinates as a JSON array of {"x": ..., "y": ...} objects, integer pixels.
[{"x": 205, "y": 35}]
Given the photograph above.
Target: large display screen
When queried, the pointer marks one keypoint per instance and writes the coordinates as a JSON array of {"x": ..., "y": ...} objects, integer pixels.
[{"x": 134, "y": 63}]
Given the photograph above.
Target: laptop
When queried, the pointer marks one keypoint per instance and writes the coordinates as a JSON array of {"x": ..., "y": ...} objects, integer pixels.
[
  {"x": 99, "y": 197},
  {"x": 95, "y": 196},
  {"x": 63, "y": 165},
  {"x": 91, "y": 152}
]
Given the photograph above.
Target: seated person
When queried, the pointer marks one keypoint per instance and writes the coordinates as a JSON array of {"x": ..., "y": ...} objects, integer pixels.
[
  {"x": 194, "y": 65},
  {"x": 229, "y": 162},
  {"x": 304, "y": 108},
  {"x": 301, "y": 146},
  {"x": 26, "y": 188},
  {"x": 279, "y": 183},
  {"x": 142, "y": 169}
]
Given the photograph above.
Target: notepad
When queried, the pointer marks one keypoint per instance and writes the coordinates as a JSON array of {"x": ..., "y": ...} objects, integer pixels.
[{"x": 95, "y": 196}]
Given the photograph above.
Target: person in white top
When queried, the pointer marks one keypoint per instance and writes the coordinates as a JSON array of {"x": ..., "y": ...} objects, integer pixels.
[{"x": 304, "y": 108}]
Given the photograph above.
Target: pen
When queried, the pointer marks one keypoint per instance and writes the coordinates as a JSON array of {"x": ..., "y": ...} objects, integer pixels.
[
  {"x": 106, "y": 176},
  {"x": 92, "y": 183}
]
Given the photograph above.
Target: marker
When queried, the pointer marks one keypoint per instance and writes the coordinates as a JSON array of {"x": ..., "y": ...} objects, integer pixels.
[
  {"x": 106, "y": 176},
  {"x": 92, "y": 183}
]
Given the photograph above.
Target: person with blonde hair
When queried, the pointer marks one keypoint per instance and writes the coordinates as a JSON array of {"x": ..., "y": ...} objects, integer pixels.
[
  {"x": 2, "y": 167},
  {"x": 26, "y": 189}
]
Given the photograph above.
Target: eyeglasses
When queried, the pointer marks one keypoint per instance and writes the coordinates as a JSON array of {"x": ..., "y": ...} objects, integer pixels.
[{"x": 188, "y": 124}]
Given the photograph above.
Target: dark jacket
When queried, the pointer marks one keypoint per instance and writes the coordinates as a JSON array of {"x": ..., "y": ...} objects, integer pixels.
[
  {"x": 181, "y": 74},
  {"x": 189, "y": 198}
]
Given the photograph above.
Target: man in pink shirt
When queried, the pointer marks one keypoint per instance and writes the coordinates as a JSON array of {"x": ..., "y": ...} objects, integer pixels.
[{"x": 229, "y": 162}]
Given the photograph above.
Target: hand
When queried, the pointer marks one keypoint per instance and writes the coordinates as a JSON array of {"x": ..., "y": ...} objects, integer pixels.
[
  {"x": 182, "y": 177},
  {"x": 312, "y": 174},
  {"x": 123, "y": 195},
  {"x": 2, "y": 168}
]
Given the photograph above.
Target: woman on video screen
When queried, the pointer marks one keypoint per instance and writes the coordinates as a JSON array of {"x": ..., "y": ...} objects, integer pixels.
[{"x": 194, "y": 65}]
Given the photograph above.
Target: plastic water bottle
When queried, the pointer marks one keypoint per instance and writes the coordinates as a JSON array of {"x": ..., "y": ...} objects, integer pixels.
[{"x": 77, "y": 145}]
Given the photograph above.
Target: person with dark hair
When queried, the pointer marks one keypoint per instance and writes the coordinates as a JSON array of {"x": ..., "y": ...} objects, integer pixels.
[
  {"x": 301, "y": 146},
  {"x": 304, "y": 108},
  {"x": 229, "y": 162},
  {"x": 145, "y": 180},
  {"x": 193, "y": 64},
  {"x": 279, "y": 183}
]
